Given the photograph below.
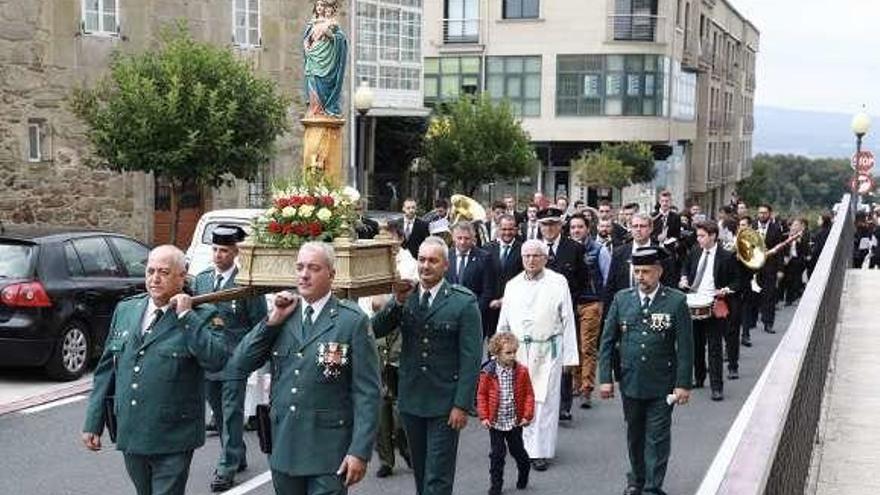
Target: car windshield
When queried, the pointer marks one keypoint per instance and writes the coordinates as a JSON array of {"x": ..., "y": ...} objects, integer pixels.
[{"x": 15, "y": 260}]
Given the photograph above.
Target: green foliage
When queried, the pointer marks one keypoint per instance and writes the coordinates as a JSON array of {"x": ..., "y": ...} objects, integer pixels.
[
  {"x": 472, "y": 141},
  {"x": 795, "y": 184},
  {"x": 616, "y": 165}
]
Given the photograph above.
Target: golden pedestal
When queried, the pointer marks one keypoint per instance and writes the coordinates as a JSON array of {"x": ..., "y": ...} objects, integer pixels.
[
  {"x": 322, "y": 145},
  {"x": 363, "y": 267}
]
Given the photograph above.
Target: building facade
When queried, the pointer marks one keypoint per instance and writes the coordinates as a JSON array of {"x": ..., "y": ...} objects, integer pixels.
[
  {"x": 49, "y": 47},
  {"x": 594, "y": 71}
]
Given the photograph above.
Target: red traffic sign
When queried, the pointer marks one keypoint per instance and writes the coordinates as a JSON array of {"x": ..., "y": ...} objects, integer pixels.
[
  {"x": 863, "y": 162},
  {"x": 862, "y": 184}
]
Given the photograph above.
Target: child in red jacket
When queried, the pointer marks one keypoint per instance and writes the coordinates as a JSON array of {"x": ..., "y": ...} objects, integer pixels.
[{"x": 505, "y": 403}]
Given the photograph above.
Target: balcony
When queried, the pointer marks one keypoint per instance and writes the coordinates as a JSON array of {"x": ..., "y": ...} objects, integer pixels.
[
  {"x": 636, "y": 27},
  {"x": 461, "y": 31},
  {"x": 706, "y": 55},
  {"x": 748, "y": 124}
]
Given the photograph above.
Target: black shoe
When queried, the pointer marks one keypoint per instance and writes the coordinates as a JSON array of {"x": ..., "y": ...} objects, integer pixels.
[
  {"x": 632, "y": 490},
  {"x": 746, "y": 342},
  {"x": 495, "y": 490},
  {"x": 384, "y": 472},
  {"x": 242, "y": 467},
  {"x": 522, "y": 479},
  {"x": 587, "y": 403},
  {"x": 565, "y": 416},
  {"x": 717, "y": 395},
  {"x": 733, "y": 374},
  {"x": 221, "y": 483},
  {"x": 250, "y": 424},
  {"x": 769, "y": 329},
  {"x": 540, "y": 464}
]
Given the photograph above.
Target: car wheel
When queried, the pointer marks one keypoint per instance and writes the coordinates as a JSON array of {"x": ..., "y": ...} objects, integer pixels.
[{"x": 72, "y": 352}]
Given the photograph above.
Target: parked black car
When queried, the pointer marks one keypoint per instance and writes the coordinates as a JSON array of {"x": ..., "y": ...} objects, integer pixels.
[{"x": 58, "y": 290}]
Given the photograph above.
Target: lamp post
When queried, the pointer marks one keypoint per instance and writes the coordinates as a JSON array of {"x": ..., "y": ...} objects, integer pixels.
[
  {"x": 363, "y": 101},
  {"x": 861, "y": 123}
]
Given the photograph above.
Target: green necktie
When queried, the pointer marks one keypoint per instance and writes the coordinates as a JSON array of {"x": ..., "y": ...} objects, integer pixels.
[
  {"x": 307, "y": 322},
  {"x": 646, "y": 303},
  {"x": 425, "y": 302},
  {"x": 218, "y": 283}
]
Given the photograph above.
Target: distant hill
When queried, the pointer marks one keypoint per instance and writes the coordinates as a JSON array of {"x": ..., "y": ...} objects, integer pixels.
[{"x": 812, "y": 134}]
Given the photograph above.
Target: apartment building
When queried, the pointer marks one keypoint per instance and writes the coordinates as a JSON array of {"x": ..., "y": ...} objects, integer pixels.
[
  {"x": 593, "y": 71},
  {"x": 48, "y": 47}
]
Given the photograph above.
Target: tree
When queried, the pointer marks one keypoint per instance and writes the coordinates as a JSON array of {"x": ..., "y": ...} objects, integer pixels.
[
  {"x": 188, "y": 112},
  {"x": 615, "y": 165},
  {"x": 795, "y": 183},
  {"x": 473, "y": 141}
]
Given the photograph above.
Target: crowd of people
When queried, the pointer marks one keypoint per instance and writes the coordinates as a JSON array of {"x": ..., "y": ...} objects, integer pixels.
[{"x": 512, "y": 318}]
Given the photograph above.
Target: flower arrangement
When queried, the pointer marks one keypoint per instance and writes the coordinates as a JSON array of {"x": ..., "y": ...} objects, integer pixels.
[{"x": 310, "y": 208}]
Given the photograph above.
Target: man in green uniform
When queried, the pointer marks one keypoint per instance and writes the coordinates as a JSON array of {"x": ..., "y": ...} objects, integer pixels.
[
  {"x": 154, "y": 360},
  {"x": 439, "y": 364},
  {"x": 225, "y": 390},
  {"x": 324, "y": 401},
  {"x": 651, "y": 325}
]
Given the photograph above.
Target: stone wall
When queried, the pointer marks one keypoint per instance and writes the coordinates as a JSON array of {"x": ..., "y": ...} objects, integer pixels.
[{"x": 43, "y": 55}]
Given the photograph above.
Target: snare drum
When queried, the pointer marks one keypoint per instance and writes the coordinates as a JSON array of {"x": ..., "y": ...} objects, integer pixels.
[{"x": 700, "y": 306}]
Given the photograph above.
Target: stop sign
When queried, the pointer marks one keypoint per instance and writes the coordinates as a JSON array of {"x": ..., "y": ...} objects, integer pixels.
[{"x": 863, "y": 162}]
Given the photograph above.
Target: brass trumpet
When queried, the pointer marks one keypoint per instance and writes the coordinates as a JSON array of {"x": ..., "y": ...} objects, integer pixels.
[{"x": 470, "y": 210}]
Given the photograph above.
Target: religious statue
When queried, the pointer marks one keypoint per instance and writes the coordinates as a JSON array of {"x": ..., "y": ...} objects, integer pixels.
[{"x": 325, "y": 48}]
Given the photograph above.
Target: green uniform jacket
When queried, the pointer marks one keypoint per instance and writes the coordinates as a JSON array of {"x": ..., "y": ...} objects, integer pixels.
[
  {"x": 440, "y": 355},
  {"x": 319, "y": 413},
  {"x": 239, "y": 316},
  {"x": 656, "y": 349},
  {"x": 159, "y": 380}
]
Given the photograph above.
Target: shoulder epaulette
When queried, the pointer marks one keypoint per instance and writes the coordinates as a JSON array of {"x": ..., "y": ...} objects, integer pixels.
[
  {"x": 461, "y": 290},
  {"x": 142, "y": 295},
  {"x": 210, "y": 269},
  {"x": 350, "y": 306}
]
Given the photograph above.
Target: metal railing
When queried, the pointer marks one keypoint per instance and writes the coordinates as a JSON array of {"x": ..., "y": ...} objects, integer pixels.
[
  {"x": 457, "y": 31},
  {"x": 636, "y": 27},
  {"x": 770, "y": 444}
]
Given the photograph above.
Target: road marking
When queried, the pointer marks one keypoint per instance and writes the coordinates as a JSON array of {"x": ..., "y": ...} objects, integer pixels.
[
  {"x": 250, "y": 485},
  {"x": 50, "y": 405}
]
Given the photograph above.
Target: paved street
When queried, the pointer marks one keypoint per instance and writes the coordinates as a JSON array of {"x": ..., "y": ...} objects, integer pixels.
[{"x": 42, "y": 454}]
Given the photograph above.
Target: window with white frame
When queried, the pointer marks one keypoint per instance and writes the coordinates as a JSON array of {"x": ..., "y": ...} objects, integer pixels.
[
  {"x": 36, "y": 140},
  {"x": 246, "y": 22},
  {"x": 100, "y": 16},
  {"x": 389, "y": 38}
]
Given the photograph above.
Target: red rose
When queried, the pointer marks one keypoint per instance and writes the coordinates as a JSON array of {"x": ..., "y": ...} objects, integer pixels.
[
  {"x": 295, "y": 201},
  {"x": 327, "y": 200},
  {"x": 288, "y": 228},
  {"x": 310, "y": 200},
  {"x": 274, "y": 227},
  {"x": 280, "y": 203},
  {"x": 299, "y": 229},
  {"x": 315, "y": 229}
]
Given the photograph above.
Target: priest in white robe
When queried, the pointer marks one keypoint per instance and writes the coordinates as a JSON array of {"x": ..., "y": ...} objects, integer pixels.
[{"x": 537, "y": 308}]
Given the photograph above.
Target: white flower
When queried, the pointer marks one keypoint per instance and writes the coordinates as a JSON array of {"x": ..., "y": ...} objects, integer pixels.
[
  {"x": 305, "y": 211},
  {"x": 324, "y": 214},
  {"x": 270, "y": 212},
  {"x": 288, "y": 212},
  {"x": 351, "y": 194}
]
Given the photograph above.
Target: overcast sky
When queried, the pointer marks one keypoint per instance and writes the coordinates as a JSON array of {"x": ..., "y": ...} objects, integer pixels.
[{"x": 817, "y": 54}]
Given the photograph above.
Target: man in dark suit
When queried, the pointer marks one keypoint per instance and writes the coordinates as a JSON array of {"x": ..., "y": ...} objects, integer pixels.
[
  {"x": 712, "y": 271},
  {"x": 565, "y": 257},
  {"x": 415, "y": 230},
  {"x": 767, "y": 278},
  {"x": 493, "y": 224},
  {"x": 471, "y": 267},
  {"x": 667, "y": 223},
  {"x": 530, "y": 229},
  {"x": 619, "y": 233},
  {"x": 510, "y": 203},
  {"x": 365, "y": 227},
  {"x": 795, "y": 258},
  {"x": 506, "y": 259},
  {"x": 620, "y": 275}
]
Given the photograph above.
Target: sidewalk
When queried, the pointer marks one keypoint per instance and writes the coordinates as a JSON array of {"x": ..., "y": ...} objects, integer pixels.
[
  {"x": 848, "y": 458},
  {"x": 23, "y": 388}
]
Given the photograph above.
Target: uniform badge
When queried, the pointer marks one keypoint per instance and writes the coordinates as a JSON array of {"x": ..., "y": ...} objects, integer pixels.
[
  {"x": 332, "y": 357},
  {"x": 660, "y": 321},
  {"x": 623, "y": 326},
  {"x": 218, "y": 322}
]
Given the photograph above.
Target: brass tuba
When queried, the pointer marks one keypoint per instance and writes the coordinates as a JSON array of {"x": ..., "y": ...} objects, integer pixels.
[
  {"x": 750, "y": 248},
  {"x": 470, "y": 210}
]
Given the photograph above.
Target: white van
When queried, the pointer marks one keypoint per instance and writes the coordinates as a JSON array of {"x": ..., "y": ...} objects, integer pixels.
[{"x": 199, "y": 254}]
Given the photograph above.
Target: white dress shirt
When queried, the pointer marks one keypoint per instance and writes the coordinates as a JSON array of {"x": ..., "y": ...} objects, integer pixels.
[
  {"x": 707, "y": 283},
  {"x": 652, "y": 295},
  {"x": 226, "y": 275},
  {"x": 433, "y": 291},
  {"x": 150, "y": 314},
  {"x": 317, "y": 306}
]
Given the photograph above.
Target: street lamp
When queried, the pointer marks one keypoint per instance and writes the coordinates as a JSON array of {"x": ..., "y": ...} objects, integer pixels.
[
  {"x": 363, "y": 101},
  {"x": 861, "y": 123}
]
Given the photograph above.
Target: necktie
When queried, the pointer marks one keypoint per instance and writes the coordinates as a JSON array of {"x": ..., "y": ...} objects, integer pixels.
[
  {"x": 531, "y": 232},
  {"x": 157, "y": 315},
  {"x": 408, "y": 229},
  {"x": 701, "y": 269},
  {"x": 425, "y": 302},
  {"x": 218, "y": 283},
  {"x": 307, "y": 322},
  {"x": 461, "y": 265},
  {"x": 646, "y": 303},
  {"x": 551, "y": 253},
  {"x": 504, "y": 255}
]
